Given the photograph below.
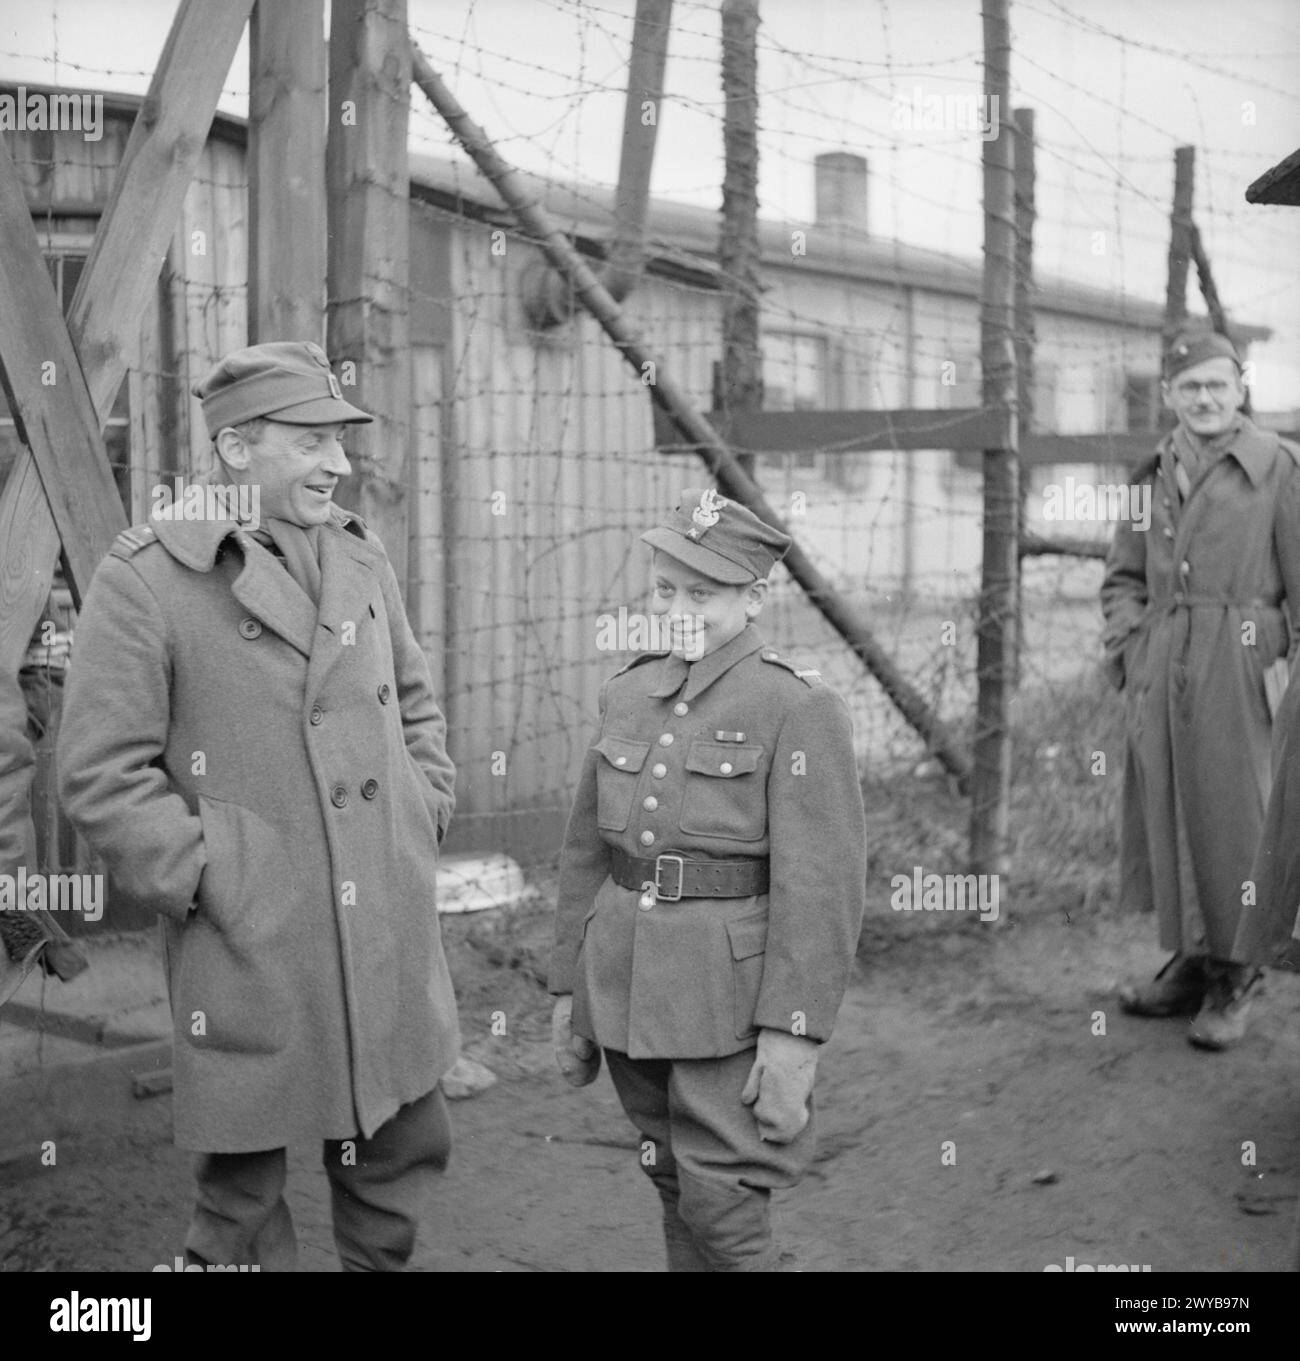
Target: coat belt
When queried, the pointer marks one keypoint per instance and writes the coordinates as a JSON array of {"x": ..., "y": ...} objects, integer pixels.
[
  {"x": 1191, "y": 600},
  {"x": 675, "y": 877}
]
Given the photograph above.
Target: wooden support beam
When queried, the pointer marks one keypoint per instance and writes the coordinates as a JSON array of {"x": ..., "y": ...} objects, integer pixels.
[
  {"x": 740, "y": 386},
  {"x": 696, "y": 431},
  {"x": 116, "y": 287},
  {"x": 1210, "y": 292},
  {"x": 48, "y": 397},
  {"x": 645, "y": 85},
  {"x": 1180, "y": 241},
  {"x": 1025, "y": 335},
  {"x": 991, "y": 776},
  {"x": 158, "y": 164},
  {"x": 367, "y": 183},
  {"x": 286, "y": 171}
]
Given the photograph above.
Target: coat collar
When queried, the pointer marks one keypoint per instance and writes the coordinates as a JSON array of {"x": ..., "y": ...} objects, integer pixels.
[
  {"x": 270, "y": 594},
  {"x": 1253, "y": 448},
  {"x": 195, "y": 543},
  {"x": 700, "y": 675}
]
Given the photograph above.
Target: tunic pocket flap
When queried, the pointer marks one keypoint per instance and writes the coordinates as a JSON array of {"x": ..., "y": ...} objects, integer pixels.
[
  {"x": 722, "y": 759},
  {"x": 748, "y": 936},
  {"x": 623, "y": 753}
]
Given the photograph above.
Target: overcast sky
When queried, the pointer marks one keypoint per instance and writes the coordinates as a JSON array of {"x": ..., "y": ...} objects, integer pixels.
[{"x": 1115, "y": 85}]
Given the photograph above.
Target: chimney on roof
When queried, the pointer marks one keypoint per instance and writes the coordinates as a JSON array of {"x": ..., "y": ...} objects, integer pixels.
[{"x": 841, "y": 188}]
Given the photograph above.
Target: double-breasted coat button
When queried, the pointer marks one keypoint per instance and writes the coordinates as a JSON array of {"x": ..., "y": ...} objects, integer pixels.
[
  {"x": 666, "y": 740},
  {"x": 659, "y": 770},
  {"x": 250, "y": 628},
  {"x": 681, "y": 709},
  {"x": 651, "y": 803},
  {"x": 385, "y": 693},
  {"x": 647, "y": 838},
  {"x": 339, "y": 796},
  {"x": 369, "y": 789},
  {"x": 317, "y": 713}
]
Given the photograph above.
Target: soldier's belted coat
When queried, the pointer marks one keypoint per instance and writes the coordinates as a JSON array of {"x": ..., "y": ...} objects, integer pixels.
[
  {"x": 736, "y": 757},
  {"x": 1197, "y": 607},
  {"x": 275, "y": 783}
]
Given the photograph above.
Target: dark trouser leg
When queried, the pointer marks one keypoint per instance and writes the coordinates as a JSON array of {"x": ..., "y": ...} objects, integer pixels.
[
  {"x": 379, "y": 1186},
  {"x": 642, "y": 1086},
  {"x": 720, "y": 1174},
  {"x": 241, "y": 1218},
  {"x": 727, "y": 1173}
]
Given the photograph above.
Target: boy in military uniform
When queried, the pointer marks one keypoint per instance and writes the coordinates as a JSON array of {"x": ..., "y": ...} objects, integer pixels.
[
  {"x": 711, "y": 892},
  {"x": 251, "y": 742}
]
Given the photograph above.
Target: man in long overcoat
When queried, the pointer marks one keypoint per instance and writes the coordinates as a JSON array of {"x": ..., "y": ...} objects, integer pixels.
[
  {"x": 251, "y": 742},
  {"x": 1202, "y": 615}
]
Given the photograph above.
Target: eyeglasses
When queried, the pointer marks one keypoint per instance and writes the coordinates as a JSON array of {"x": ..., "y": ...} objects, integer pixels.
[{"x": 1216, "y": 388}]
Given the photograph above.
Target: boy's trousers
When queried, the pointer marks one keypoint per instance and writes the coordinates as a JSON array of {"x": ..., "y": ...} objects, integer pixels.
[
  {"x": 377, "y": 1190},
  {"x": 701, "y": 1149}
]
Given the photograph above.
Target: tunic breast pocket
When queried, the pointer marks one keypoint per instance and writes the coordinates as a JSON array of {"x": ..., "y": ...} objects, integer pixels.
[
  {"x": 616, "y": 779},
  {"x": 726, "y": 793}
]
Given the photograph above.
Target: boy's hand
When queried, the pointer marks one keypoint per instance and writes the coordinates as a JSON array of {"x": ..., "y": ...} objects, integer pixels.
[
  {"x": 780, "y": 1083},
  {"x": 578, "y": 1057}
]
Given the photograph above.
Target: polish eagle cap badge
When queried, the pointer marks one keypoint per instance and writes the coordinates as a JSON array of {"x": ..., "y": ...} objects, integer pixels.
[{"x": 706, "y": 513}]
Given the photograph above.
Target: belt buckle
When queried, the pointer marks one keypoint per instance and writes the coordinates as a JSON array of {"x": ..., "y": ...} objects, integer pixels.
[{"x": 665, "y": 897}]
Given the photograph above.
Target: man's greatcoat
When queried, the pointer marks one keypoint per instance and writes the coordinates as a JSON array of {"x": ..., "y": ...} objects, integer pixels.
[
  {"x": 1198, "y": 607},
  {"x": 274, "y": 781}
]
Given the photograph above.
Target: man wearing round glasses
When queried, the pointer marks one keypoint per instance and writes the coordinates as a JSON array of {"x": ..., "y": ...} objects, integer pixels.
[{"x": 1202, "y": 609}]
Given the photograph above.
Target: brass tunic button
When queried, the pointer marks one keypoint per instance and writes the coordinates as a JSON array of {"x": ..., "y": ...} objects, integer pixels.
[
  {"x": 317, "y": 714},
  {"x": 384, "y": 693},
  {"x": 620, "y": 760},
  {"x": 339, "y": 796},
  {"x": 666, "y": 740},
  {"x": 651, "y": 803},
  {"x": 681, "y": 709},
  {"x": 659, "y": 770},
  {"x": 647, "y": 838},
  {"x": 369, "y": 789},
  {"x": 725, "y": 767},
  {"x": 250, "y": 628}
]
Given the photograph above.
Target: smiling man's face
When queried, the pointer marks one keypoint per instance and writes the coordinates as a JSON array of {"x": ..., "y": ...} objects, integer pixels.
[
  {"x": 1206, "y": 397},
  {"x": 296, "y": 468}
]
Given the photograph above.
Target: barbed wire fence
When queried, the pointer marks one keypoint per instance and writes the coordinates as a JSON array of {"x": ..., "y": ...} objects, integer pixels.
[{"x": 536, "y": 466}]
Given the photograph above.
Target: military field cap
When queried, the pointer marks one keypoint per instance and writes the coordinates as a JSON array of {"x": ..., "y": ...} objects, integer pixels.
[
  {"x": 285, "y": 380},
  {"x": 1195, "y": 347},
  {"x": 719, "y": 538}
]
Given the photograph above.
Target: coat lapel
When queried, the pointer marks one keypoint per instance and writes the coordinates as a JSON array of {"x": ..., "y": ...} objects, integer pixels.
[
  {"x": 267, "y": 590},
  {"x": 347, "y": 590},
  {"x": 263, "y": 587}
]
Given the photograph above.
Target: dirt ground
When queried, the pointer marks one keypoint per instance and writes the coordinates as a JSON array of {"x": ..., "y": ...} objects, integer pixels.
[{"x": 1122, "y": 1147}]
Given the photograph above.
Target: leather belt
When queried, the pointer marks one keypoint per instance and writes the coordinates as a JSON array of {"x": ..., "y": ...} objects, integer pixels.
[{"x": 674, "y": 877}]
